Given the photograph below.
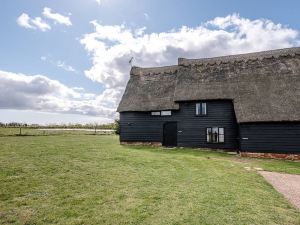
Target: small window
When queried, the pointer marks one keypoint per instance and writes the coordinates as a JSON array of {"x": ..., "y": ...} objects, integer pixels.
[
  {"x": 155, "y": 113},
  {"x": 166, "y": 113},
  {"x": 201, "y": 109},
  {"x": 215, "y": 135}
]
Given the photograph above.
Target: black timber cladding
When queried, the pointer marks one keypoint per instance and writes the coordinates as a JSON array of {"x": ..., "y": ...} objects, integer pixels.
[
  {"x": 141, "y": 126},
  {"x": 280, "y": 137}
]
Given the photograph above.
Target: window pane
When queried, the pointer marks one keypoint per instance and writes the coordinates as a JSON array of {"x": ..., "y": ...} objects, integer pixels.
[
  {"x": 155, "y": 113},
  {"x": 208, "y": 134},
  {"x": 221, "y": 134},
  {"x": 166, "y": 113},
  {"x": 215, "y": 135},
  {"x": 221, "y": 138},
  {"x": 197, "y": 108},
  {"x": 203, "y": 108}
]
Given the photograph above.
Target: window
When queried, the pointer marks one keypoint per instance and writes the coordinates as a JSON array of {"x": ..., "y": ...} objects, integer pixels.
[
  {"x": 215, "y": 135},
  {"x": 166, "y": 113},
  {"x": 161, "y": 113},
  {"x": 155, "y": 113},
  {"x": 201, "y": 109}
]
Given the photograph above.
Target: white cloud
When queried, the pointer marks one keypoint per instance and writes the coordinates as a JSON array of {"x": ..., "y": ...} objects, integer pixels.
[
  {"x": 78, "y": 89},
  {"x": 111, "y": 47},
  {"x": 41, "y": 24},
  {"x": 37, "y": 23},
  {"x": 99, "y": 1},
  {"x": 56, "y": 17},
  {"x": 24, "y": 21},
  {"x": 22, "y": 92},
  {"x": 65, "y": 66},
  {"x": 43, "y": 58},
  {"x": 147, "y": 17},
  {"x": 38, "y": 117},
  {"x": 59, "y": 64}
]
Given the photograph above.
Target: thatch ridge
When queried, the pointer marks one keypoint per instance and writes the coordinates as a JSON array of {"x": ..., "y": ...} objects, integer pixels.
[
  {"x": 140, "y": 71},
  {"x": 241, "y": 57}
]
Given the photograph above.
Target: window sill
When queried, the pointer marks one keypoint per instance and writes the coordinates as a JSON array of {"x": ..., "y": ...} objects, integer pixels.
[{"x": 215, "y": 142}]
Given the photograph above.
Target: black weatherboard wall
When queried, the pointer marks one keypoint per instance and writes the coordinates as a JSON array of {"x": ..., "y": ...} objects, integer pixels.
[
  {"x": 141, "y": 126},
  {"x": 280, "y": 137}
]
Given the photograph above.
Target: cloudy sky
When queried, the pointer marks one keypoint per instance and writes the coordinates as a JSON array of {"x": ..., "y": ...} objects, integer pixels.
[{"x": 67, "y": 61}]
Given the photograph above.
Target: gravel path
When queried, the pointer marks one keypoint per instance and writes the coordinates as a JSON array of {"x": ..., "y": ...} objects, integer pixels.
[{"x": 286, "y": 184}]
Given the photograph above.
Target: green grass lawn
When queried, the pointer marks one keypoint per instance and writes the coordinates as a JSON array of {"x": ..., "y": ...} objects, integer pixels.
[{"x": 91, "y": 179}]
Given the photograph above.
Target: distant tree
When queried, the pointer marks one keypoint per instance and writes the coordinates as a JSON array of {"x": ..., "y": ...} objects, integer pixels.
[
  {"x": 117, "y": 127},
  {"x": 14, "y": 124}
]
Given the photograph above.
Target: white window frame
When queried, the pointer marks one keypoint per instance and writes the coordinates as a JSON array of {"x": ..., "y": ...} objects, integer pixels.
[
  {"x": 166, "y": 113},
  {"x": 201, "y": 109},
  {"x": 155, "y": 113},
  {"x": 209, "y": 136}
]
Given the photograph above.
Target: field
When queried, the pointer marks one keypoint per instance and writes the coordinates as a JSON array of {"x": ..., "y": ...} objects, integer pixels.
[{"x": 76, "y": 178}]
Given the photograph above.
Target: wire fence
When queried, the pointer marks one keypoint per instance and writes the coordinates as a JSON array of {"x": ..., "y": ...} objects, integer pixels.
[{"x": 23, "y": 131}]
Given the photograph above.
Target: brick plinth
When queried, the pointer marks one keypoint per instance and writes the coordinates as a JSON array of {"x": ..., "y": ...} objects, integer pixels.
[
  {"x": 141, "y": 143},
  {"x": 271, "y": 155}
]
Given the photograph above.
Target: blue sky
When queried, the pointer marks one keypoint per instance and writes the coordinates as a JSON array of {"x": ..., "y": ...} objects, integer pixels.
[{"x": 73, "y": 70}]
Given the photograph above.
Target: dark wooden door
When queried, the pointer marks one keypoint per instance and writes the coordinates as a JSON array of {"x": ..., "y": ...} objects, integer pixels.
[{"x": 170, "y": 134}]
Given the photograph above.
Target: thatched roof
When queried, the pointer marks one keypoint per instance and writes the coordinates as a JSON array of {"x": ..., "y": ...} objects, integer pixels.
[
  {"x": 150, "y": 89},
  {"x": 264, "y": 86}
]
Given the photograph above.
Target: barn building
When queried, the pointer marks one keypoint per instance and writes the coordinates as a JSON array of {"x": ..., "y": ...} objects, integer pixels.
[{"x": 247, "y": 102}]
